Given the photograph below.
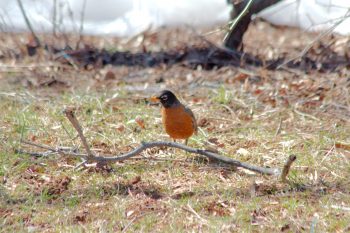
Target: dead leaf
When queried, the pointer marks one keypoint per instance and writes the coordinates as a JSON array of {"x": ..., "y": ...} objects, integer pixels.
[
  {"x": 184, "y": 194},
  {"x": 109, "y": 75},
  {"x": 135, "y": 180},
  {"x": 218, "y": 208},
  {"x": 129, "y": 213},
  {"x": 241, "y": 77},
  {"x": 140, "y": 122},
  {"x": 285, "y": 227},
  {"x": 203, "y": 122},
  {"x": 216, "y": 142},
  {"x": 258, "y": 217},
  {"x": 58, "y": 186},
  {"x": 120, "y": 127},
  {"x": 81, "y": 217},
  {"x": 342, "y": 145}
]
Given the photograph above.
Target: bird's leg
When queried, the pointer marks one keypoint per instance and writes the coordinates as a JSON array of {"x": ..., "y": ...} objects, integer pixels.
[{"x": 187, "y": 153}]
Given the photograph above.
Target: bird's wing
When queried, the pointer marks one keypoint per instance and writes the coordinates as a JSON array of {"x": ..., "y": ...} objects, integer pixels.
[{"x": 194, "y": 122}]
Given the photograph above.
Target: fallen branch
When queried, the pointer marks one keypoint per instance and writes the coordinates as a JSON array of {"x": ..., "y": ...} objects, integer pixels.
[{"x": 146, "y": 145}]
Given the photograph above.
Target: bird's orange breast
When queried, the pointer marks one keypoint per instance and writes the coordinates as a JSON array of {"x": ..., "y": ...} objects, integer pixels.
[{"x": 177, "y": 122}]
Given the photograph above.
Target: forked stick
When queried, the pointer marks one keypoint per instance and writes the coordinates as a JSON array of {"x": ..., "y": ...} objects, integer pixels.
[{"x": 69, "y": 112}]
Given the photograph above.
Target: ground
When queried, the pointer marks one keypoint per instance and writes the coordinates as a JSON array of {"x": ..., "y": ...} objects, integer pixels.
[{"x": 250, "y": 113}]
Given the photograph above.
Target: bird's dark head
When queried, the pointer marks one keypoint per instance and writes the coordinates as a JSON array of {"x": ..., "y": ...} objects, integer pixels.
[{"x": 166, "y": 98}]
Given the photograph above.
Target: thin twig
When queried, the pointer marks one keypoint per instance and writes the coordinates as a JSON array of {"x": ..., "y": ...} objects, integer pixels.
[
  {"x": 132, "y": 221},
  {"x": 135, "y": 219},
  {"x": 278, "y": 130},
  {"x": 189, "y": 209},
  {"x": 81, "y": 164},
  {"x": 306, "y": 115},
  {"x": 320, "y": 36},
  {"x": 54, "y": 18},
  {"x": 32, "y": 66},
  {"x": 340, "y": 207},
  {"x": 39, "y": 145},
  {"x": 58, "y": 150},
  {"x": 82, "y": 17},
  {"x": 287, "y": 167},
  {"x": 29, "y": 25},
  {"x": 160, "y": 159},
  {"x": 35, "y": 154}
]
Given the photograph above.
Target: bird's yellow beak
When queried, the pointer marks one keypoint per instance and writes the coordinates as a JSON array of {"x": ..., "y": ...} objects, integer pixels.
[{"x": 154, "y": 99}]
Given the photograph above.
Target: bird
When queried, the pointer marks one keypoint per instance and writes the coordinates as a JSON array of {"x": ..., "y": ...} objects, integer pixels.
[{"x": 178, "y": 120}]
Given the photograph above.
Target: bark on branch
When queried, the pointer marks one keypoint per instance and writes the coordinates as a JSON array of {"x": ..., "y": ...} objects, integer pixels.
[
  {"x": 69, "y": 112},
  {"x": 233, "y": 40},
  {"x": 287, "y": 167}
]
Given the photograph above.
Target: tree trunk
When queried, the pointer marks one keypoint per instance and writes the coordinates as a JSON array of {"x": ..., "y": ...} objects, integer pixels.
[{"x": 234, "y": 39}]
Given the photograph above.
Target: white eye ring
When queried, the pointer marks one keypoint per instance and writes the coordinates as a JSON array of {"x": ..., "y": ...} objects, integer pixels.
[{"x": 165, "y": 98}]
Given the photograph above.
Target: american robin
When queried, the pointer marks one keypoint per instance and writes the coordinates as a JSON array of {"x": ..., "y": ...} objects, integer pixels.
[{"x": 178, "y": 120}]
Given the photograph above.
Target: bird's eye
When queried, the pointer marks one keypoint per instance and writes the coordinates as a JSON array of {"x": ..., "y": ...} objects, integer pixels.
[{"x": 165, "y": 98}]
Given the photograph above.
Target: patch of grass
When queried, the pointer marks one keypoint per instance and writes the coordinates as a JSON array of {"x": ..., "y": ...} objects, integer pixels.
[
  {"x": 223, "y": 198},
  {"x": 222, "y": 96}
]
